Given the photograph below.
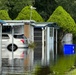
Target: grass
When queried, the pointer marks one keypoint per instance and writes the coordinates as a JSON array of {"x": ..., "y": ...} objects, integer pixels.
[{"x": 63, "y": 65}]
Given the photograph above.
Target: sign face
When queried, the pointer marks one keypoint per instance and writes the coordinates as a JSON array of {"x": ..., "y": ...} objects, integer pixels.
[{"x": 69, "y": 49}]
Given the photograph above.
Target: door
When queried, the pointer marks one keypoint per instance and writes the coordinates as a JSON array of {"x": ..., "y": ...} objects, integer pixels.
[{"x": 38, "y": 41}]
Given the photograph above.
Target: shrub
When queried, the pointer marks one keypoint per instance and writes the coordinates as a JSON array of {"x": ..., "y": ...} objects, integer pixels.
[
  {"x": 25, "y": 14},
  {"x": 4, "y": 15},
  {"x": 63, "y": 19}
]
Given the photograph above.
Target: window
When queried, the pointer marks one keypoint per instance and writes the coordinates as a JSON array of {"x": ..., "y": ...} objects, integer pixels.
[
  {"x": 18, "y": 36},
  {"x": 5, "y": 36}
]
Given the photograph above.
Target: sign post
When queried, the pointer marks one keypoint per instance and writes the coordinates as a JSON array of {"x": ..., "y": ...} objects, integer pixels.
[
  {"x": 0, "y": 48},
  {"x": 12, "y": 49}
]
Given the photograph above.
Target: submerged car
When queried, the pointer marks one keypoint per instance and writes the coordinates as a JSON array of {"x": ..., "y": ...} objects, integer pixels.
[{"x": 14, "y": 45}]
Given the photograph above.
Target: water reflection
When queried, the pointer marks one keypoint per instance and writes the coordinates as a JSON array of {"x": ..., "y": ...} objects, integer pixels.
[{"x": 18, "y": 64}]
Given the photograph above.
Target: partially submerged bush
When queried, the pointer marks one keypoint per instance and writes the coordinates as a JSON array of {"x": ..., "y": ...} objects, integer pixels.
[
  {"x": 32, "y": 45},
  {"x": 64, "y": 64}
]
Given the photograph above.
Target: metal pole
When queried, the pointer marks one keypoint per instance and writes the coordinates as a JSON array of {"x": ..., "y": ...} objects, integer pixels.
[
  {"x": 31, "y": 11},
  {"x": 30, "y": 14},
  {"x": 32, "y": 53},
  {"x": 56, "y": 44},
  {"x": 0, "y": 48},
  {"x": 12, "y": 49},
  {"x": 30, "y": 63},
  {"x": 43, "y": 46}
]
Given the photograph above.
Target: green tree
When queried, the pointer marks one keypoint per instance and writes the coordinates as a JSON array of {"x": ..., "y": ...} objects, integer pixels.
[
  {"x": 14, "y": 6},
  {"x": 4, "y": 15},
  {"x": 64, "y": 21},
  {"x": 25, "y": 14},
  {"x": 3, "y": 5},
  {"x": 69, "y": 6}
]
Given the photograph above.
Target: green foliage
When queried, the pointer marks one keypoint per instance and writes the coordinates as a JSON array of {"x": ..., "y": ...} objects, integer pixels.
[
  {"x": 68, "y": 5},
  {"x": 63, "y": 19},
  {"x": 63, "y": 65},
  {"x": 14, "y": 6},
  {"x": 32, "y": 45},
  {"x": 3, "y": 5},
  {"x": 44, "y": 7},
  {"x": 25, "y": 14},
  {"x": 4, "y": 15}
]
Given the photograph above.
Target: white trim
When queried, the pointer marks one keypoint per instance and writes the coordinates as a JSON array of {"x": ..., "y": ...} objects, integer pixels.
[
  {"x": 13, "y": 24},
  {"x": 17, "y": 22}
]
